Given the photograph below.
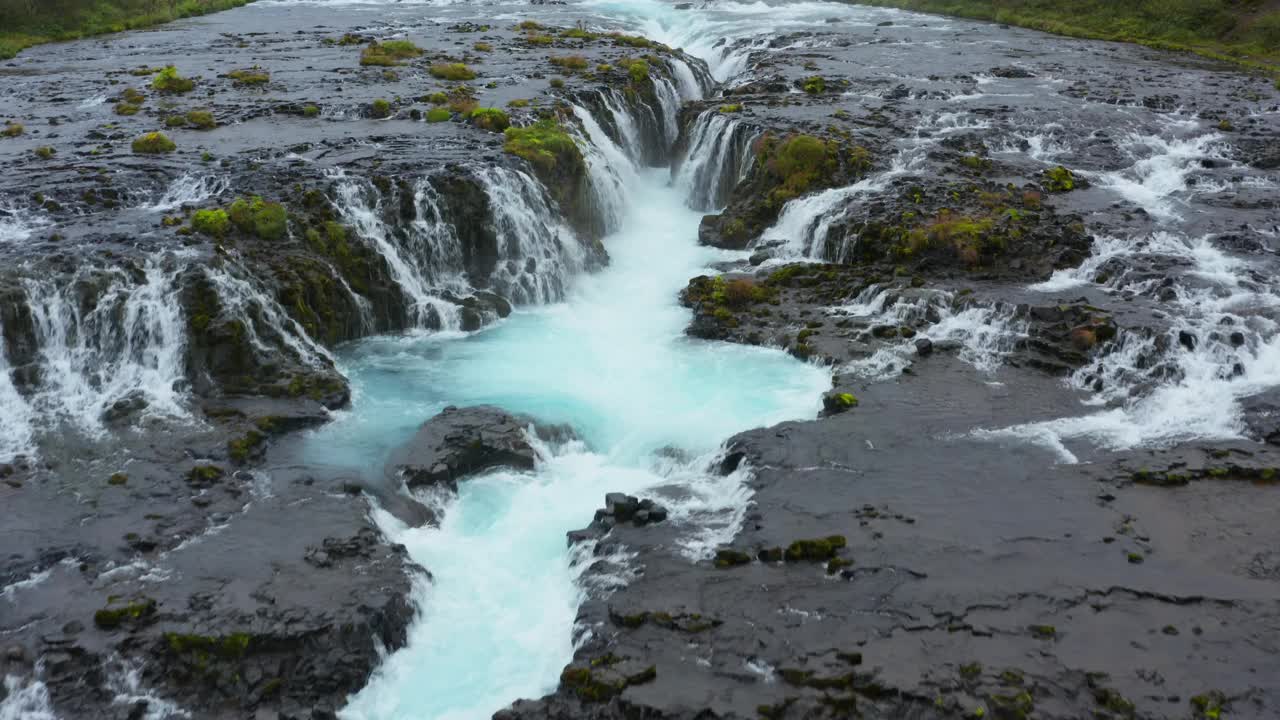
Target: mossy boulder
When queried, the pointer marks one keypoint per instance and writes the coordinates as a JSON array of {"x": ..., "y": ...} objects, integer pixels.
[
  {"x": 380, "y": 109},
  {"x": 815, "y": 550},
  {"x": 250, "y": 76},
  {"x": 201, "y": 120},
  {"x": 727, "y": 558},
  {"x": 389, "y": 53},
  {"x": 451, "y": 71},
  {"x": 213, "y": 223},
  {"x": 837, "y": 402},
  {"x": 169, "y": 81},
  {"x": 439, "y": 115},
  {"x": 266, "y": 220},
  {"x": 491, "y": 119},
  {"x": 154, "y": 143},
  {"x": 117, "y": 614}
]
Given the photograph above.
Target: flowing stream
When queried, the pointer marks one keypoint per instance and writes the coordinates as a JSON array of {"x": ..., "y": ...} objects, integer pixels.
[{"x": 612, "y": 361}]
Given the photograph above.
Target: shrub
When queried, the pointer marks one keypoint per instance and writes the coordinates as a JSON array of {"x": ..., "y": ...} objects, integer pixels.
[
  {"x": 483, "y": 47},
  {"x": 12, "y": 129},
  {"x": 267, "y": 220},
  {"x": 569, "y": 62},
  {"x": 250, "y": 76},
  {"x": 604, "y": 68},
  {"x": 389, "y": 53},
  {"x": 491, "y": 119},
  {"x": 132, "y": 96},
  {"x": 174, "y": 121},
  {"x": 154, "y": 143},
  {"x": 125, "y": 108},
  {"x": 213, "y": 223},
  {"x": 452, "y": 71},
  {"x": 439, "y": 114},
  {"x": 638, "y": 70},
  {"x": 380, "y": 109},
  {"x": 529, "y": 25},
  {"x": 169, "y": 81},
  {"x": 201, "y": 119},
  {"x": 740, "y": 292},
  {"x": 557, "y": 83},
  {"x": 44, "y": 152},
  {"x": 546, "y": 144},
  {"x": 536, "y": 39},
  {"x": 815, "y": 85}
]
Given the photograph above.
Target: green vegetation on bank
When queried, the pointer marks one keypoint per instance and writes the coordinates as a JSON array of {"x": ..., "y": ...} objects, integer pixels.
[
  {"x": 24, "y": 23},
  {"x": 1245, "y": 32}
]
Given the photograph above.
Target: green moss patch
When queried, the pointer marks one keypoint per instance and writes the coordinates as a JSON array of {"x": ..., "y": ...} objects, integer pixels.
[
  {"x": 213, "y": 223},
  {"x": 491, "y": 119},
  {"x": 451, "y": 71},
  {"x": 389, "y": 53},
  {"x": 171, "y": 82},
  {"x": 267, "y": 220},
  {"x": 153, "y": 143},
  {"x": 546, "y": 144},
  {"x": 250, "y": 76}
]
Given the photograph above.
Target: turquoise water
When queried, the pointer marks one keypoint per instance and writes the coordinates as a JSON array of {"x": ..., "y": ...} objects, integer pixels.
[{"x": 612, "y": 361}]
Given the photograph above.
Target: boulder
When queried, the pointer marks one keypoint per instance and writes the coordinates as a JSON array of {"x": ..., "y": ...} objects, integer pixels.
[{"x": 464, "y": 441}]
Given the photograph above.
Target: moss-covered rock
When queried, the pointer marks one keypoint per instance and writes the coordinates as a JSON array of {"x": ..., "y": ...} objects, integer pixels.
[
  {"x": 389, "y": 53},
  {"x": 266, "y": 220},
  {"x": 118, "y": 614},
  {"x": 153, "y": 143},
  {"x": 451, "y": 71},
  {"x": 170, "y": 81},
  {"x": 491, "y": 119},
  {"x": 815, "y": 550}
]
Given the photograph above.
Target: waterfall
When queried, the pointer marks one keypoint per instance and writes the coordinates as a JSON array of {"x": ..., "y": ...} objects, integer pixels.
[
  {"x": 432, "y": 243},
  {"x": 669, "y": 99},
  {"x": 718, "y": 158},
  {"x": 17, "y": 422},
  {"x": 191, "y": 189},
  {"x": 537, "y": 252},
  {"x": 628, "y": 133},
  {"x": 127, "y": 340},
  {"x": 262, "y": 317},
  {"x": 611, "y": 171}
]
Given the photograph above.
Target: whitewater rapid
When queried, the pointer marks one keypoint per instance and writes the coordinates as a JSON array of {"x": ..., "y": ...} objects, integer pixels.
[{"x": 612, "y": 361}]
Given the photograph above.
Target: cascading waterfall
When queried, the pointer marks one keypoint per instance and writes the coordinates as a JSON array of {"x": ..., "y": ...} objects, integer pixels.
[
  {"x": 261, "y": 316},
  {"x": 17, "y": 422},
  {"x": 611, "y": 171},
  {"x": 488, "y": 637},
  {"x": 1159, "y": 390},
  {"x": 359, "y": 205},
  {"x": 537, "y": 252},
  {"x": 128, "y": 341},
  {"x": 719, "y": 157},
  {"x": 191, "y": 189},
  {"x": 983, "y": 333}
]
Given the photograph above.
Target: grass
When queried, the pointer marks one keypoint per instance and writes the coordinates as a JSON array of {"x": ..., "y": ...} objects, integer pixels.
[
  {"x": 569, "y": 62},
  {"x": 546, "y": 144},
  {"x": 389, "y": 53},
  {"x": 1244, "y": 32},
  {"x": 54, "y": 21},
  {"x": 452, "y": 71},
  {"x": 170, "y": 81},
  {"x": 153, "y": 144},
  {"x": 250, "y": 76},
  {"x": 491, "y": 119}
]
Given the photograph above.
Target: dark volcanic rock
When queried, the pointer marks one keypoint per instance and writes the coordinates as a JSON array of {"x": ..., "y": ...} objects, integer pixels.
[{"x": 465, "y": 441}]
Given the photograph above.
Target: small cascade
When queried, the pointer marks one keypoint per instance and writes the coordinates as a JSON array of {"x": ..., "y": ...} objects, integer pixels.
[
  {"x": 25, "y": 700},
  {"x": 424, "y": 256},
  {"x": 17, "y": 224},
  {"x": 1157, "y": 180},
  {"x": 983, "y": 335},
  {"x": 537, "y": 252},
  {"x": 268, "y": 328},
  {"x": 669, "y": 99},
  {"x": 718, "y": 158},
  {"x": 191, "y": 189},
  {"x": 628, "y": 133},
  {"x": 610, "y": 169},
  {"x": 17, "y": 422},
  {"x": 108, "y": 336},
  {"x": 693, "y": 86}
]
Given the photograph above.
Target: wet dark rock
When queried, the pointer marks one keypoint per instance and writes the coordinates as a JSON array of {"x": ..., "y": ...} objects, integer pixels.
[{"x": 465, "y": 441}]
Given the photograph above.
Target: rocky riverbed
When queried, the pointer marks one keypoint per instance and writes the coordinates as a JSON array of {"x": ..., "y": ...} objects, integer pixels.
[{"x": 1039, "y": 271}]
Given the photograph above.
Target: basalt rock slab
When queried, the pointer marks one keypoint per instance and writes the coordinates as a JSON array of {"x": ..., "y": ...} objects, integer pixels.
[{"x": 465, "y": 441}]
